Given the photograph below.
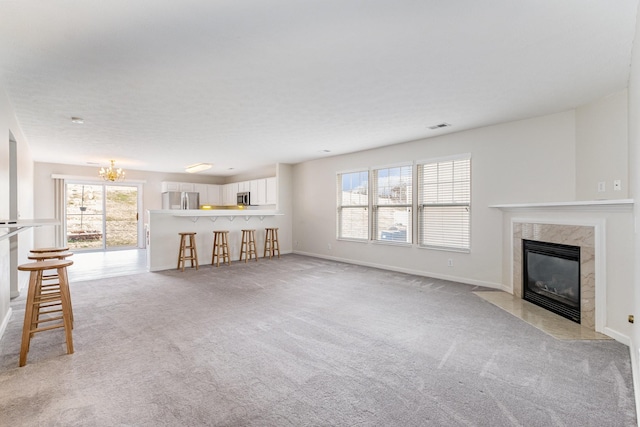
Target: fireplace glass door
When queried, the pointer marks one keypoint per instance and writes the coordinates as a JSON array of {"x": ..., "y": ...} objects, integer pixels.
[{"x": 551, "y": 277}]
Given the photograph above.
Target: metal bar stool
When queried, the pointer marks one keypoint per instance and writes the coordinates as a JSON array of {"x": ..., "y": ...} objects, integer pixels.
[
  {"x": 220, "y": 248},
  {"x": 271, "y": 243},
  {"x": 41, "y": 304},
  {"x": 47, "y": 284},
  {"x": 248, "y": 245},
  {"x": 191, "y": 247}
]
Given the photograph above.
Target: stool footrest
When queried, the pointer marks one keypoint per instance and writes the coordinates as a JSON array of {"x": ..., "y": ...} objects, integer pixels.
[{"x": 48, "y": 328}]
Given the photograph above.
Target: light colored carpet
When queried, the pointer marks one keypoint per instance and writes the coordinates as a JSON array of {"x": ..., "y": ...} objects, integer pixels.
[{"x": 305, "y": 342}]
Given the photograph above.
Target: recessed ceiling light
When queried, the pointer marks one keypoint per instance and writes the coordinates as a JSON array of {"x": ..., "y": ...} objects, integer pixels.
[
  {"x": 439, "y": 126},
  {"x": 77, "y": 120},
  {"x": 325, "y": 151},
  {"x": 199, "y": 167}
]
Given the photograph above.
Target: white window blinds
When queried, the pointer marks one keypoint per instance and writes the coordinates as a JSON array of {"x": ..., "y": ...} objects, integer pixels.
[
  {"x": 445, "y": 204},
  {"x": 392, "y": 203},
  {"x": 353, "y": 205}
]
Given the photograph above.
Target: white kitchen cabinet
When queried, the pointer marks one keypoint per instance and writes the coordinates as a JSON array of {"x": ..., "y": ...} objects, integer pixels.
[
  {"x": 258, "y": 188},
  {"x": 213, "y": 195},
  {"x": 186, "y": 186},
  {"x": 230, "y": 193},
  {"x": 271, "y": 197},
  {"x": 202, "y": 190},
  {"x": 244, "y": 186},
  {"x": 177, "y": 186},
  {"x": 170, "y": 186}
]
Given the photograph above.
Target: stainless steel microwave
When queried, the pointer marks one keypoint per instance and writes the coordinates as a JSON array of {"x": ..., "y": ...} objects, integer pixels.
[{"x": 244, "y": 198}]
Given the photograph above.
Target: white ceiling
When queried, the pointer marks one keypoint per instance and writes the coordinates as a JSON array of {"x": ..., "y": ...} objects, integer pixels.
[{"x": 248, "y": 83}]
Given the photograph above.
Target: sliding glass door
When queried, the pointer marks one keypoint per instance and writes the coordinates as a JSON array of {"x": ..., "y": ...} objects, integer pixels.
[{"x": 102, "y": 216}]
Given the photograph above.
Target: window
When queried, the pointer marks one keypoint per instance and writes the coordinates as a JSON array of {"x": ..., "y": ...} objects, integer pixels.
[
  {"x": 353, "y": 205},
  {"x": 392, "y": 204},
  {"x": 444, "y": 203}
]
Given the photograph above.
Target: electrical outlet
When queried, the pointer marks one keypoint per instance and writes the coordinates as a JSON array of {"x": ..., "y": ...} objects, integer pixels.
[
  {"x": 449, "y": 262},
  {"x": 601, "y": 187},
  {"x": 617, "y": 185}
]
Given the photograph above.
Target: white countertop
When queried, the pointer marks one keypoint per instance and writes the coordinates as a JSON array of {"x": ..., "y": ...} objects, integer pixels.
[
  {"x": 216, "y": 212},
  {"x": 28, "y": 223},
  {"x": 24, "y": 224}
]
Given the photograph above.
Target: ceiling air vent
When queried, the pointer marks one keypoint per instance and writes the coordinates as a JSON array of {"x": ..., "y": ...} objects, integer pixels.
[{"x": 439, "y": 125}]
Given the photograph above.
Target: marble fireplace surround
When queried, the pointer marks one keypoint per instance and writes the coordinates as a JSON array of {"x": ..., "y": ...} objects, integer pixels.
[{"x": 592, "y": 303}]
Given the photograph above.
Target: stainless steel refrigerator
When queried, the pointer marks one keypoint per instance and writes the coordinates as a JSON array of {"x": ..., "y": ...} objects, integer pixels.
[{"x": 180, "y": 200}]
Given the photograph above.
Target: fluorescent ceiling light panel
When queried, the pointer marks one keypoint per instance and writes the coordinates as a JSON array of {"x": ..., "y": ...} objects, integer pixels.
[{"x": 199, "y": 167}]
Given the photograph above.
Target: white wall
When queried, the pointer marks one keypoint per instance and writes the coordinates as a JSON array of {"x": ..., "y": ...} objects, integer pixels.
[
  {"x": 602, "y": 148},
  {"x": 634, "y": 192},
  {"x": 265, "y": 172},
  {"x": 8, "y": 124},
  {"x": 525, "y": 161}
]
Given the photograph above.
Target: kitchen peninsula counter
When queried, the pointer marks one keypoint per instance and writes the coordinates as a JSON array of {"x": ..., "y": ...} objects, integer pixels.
[{"x": 164, "y": 225}]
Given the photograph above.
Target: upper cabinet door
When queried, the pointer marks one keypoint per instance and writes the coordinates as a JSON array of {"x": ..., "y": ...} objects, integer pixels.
[
  {"x": 170, "y": 186},
  {"x": 258, "y": 192},
  {"x": 213, "y": 194},
  {"x": 186, "y": 186},
  {"x": 272, "y": 191},
  {"x": 202, "y": 190},
  {"x": 230, "y": 193}
]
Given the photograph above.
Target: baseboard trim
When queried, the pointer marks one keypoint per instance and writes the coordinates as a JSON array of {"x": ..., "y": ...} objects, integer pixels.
[
  {"x": 621, "y": 338},
  {"x": 465, "y": 280},
  {"x": 5, "y": 323},
  {"x": 200, "y": 264}
]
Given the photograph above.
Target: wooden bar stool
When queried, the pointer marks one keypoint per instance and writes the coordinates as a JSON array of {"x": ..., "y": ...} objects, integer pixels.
[
  {"x": 220, "y": 248},
  {"x": 191, "y": 247},
  {"x": 56, "y": 249},
  {"x": 248, "y": 245},
  {"x": 48, "y": 283},
  {"x": 41, "y": 304},
  {"x": 271, "y": 243}
]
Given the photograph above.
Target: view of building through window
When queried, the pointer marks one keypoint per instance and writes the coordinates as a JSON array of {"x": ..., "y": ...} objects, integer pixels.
[
  {"x": 353, "y": 205},
  {"x": 392, "y": 205}
]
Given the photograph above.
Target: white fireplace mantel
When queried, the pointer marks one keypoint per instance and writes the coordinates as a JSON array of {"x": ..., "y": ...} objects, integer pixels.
[
  {"x": 574, "y": 204},
  {"x": 611, "y": 221}
]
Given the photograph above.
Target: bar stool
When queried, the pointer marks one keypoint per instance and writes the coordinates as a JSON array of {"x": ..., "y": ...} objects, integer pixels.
[
  {"x": 41, "y": 303},
  {"x": 46, "y": 256},
  {"x": 248, "y": 245},
  {"x": 271, "y": 243},
  {"x": 193, "y": 253},
  {"x": 220, "y": 247},
  {"x": 55, "y": 249}
]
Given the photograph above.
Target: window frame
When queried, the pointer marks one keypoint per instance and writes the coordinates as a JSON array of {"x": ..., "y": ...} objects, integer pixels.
[
  {"x": 340, "y": 207},
  {"x": 422, "y": 205},
  {"x": 376, "y": 206}
]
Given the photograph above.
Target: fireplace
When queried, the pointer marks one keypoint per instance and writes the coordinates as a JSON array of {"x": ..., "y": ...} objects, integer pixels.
[{"x": 551, "y": 277}]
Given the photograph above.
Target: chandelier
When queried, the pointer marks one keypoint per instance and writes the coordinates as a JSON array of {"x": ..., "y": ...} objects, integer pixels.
[{"x": 111, "y": 173}]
